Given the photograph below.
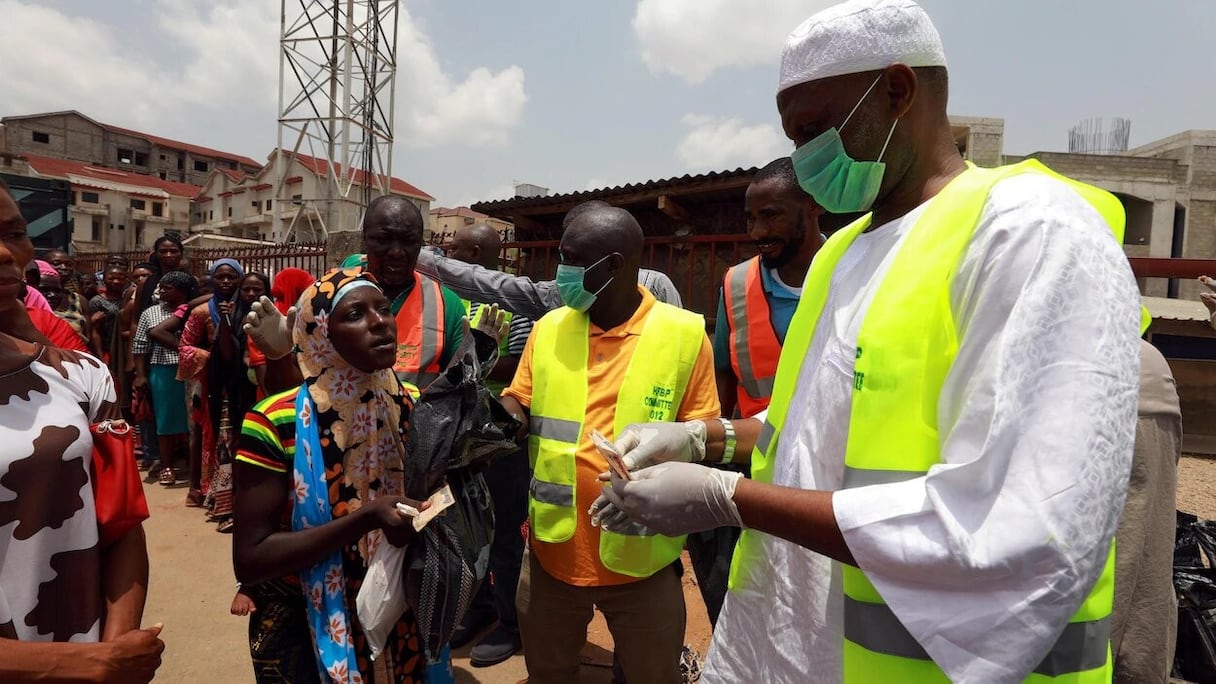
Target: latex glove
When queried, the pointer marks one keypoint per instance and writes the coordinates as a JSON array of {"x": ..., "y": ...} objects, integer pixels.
[
  {"x": 270, "y": 329},
  {"x": 646, "y": 444},
  {"x": 671, "y": 499},
  {"x": 1209, "y": 298}
]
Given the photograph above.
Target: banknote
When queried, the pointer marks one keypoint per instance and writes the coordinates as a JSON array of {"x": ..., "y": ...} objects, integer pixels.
[
  {"x": 608, "y": 449},
  {"x": 439, "y": 501}
]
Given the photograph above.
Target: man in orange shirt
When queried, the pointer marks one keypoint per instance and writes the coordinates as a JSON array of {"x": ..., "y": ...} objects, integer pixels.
[{"x": 611, "y": 355}]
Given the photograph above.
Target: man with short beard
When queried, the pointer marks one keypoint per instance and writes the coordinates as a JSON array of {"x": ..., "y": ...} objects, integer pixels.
[{"x": 759, "y": 295}]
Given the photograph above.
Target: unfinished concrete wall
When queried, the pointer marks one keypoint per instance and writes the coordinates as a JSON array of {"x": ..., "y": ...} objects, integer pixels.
[{"x": 66, "y": 136}]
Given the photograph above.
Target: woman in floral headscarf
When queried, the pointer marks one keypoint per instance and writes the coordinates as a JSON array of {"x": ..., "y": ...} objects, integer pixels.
[{"x": 319, "y": 473}]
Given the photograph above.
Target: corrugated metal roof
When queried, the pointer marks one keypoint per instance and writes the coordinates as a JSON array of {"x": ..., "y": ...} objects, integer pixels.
[
  {"x": 605, "y": 193},
  {"x": 1175, "y": 309}
]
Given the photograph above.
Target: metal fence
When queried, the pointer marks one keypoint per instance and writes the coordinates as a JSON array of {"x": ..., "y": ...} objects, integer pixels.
[
  {"x": 696, "y": 264},
  {"x": 267, "y": 259}
]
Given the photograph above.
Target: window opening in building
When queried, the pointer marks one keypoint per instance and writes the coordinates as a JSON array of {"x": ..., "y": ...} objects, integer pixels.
[
  {"x": 95, "y": 230},
  {"x": 138, "y": 204},
  {"x": 125, "y": 156},
  {"x": 158, "y": 209},
  {"x": 89, "y": 198},
  {"x": 141, "y": 159},
  {"x": 200, "y": 166},
  {"x": 40, "y": 137}
]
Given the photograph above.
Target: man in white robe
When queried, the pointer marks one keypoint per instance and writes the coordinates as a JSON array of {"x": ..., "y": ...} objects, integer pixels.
[{"x": 984, "y": 558}]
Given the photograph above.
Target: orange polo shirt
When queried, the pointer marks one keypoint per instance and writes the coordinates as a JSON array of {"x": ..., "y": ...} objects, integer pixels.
[{"x": 577, "y": 560}]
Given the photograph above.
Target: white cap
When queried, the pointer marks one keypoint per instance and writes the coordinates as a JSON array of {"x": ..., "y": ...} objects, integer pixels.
[{"x": 858, "y": 36}]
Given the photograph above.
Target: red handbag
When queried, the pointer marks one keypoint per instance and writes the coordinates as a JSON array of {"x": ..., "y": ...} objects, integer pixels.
[{"x": 118, "y": 493}]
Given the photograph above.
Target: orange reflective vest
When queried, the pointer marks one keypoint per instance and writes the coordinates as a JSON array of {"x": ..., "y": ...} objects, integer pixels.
[
  {"x": 420, "y": 333},
  {"x": 754, "y": 347}
]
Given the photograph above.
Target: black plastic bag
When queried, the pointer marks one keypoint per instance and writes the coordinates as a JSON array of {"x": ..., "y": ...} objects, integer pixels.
[
  {"x": 456, "y": 429},
  {"x": 1195, "y": 583}
]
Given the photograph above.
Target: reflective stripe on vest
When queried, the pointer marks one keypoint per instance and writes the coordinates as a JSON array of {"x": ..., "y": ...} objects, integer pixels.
[
  {"x": 420, "y": 333},
  {"x": 905, "y": 348},
  {"x": 754, "y": 347},
  {"x": 653, "y": 388}
]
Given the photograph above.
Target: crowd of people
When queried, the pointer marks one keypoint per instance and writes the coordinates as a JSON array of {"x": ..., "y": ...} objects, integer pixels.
[{"x": 904, "y": 455}]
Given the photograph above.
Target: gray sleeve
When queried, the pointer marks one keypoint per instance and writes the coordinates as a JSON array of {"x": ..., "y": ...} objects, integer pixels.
[
  {"x": 660, "y": 286},
  {"x": 516, "y": 294}
]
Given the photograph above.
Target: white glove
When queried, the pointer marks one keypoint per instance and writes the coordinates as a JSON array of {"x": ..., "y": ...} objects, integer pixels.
[
  {"x": 671, "y": 499},
  {"x": 1209, "y": 298},
  {"x": 646, "y": 444},
  {"x": 270, "y": 329}
]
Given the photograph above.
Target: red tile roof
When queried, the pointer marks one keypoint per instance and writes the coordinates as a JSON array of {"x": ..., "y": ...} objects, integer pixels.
[
  {"x": 233, "y": 174},
  {"x": 179, "y": 145},
  {"x": 320, "y": 167},
  {"x": 62, "y": 168}
]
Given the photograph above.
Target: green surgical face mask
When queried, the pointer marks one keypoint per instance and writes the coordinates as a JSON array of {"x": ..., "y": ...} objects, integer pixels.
[
  {"x": 839, "y": 183},
  {"x": 570, "y": 285}
]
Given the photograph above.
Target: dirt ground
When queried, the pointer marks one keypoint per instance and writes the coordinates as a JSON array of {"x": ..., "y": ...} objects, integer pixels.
[{"x": 192, "y": 586}]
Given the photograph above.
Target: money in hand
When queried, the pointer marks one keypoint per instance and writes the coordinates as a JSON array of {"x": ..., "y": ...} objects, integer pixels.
[
  {"x": 615, "y": 462},
  {"x": 439, "y": 501}
]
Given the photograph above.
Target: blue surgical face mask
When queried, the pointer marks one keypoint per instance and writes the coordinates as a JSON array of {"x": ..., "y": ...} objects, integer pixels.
[
  {"x": 570, "y": 285},
  {"x": 838, "y": 183}
]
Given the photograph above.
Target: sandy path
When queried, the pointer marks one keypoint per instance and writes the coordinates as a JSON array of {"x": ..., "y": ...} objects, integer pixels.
[{"x": 192, "y": 586}]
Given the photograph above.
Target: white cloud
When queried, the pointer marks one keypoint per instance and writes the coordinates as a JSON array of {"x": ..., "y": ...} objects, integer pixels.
[
  {"x": 223, "y": 69},
  {"x": 433, "y": 110},
  {"x": 693, "y": 38},
  {"x": 717, "y": 143},
  {"x": 495, "y": 192}
]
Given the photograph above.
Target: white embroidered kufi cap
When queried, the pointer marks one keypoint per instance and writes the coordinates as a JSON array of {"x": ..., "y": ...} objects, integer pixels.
[{"x": 858, "y": 36}]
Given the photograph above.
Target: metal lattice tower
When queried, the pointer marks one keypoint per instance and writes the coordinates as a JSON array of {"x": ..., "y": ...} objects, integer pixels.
[{"x": 337, "y": 73}]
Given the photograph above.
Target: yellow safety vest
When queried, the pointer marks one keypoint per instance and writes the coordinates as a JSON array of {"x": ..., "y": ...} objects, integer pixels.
[
  {"x": 652, "y": 390},
  {"x": 905, "y": 348}
]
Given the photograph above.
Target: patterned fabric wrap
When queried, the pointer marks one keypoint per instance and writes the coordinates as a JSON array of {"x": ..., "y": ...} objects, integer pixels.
[{"x": 339, "y": 407}]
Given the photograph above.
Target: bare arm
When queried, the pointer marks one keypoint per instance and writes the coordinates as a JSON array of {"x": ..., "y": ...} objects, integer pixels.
[
  {"x": 802, "y": 516},
  {"x": 261, "y": 551},
  {"x": 35, "y": 661},
  {"x": 124, "y": 581},
  {"x": 727, "y": 391},
  {"x": 164, "y": 332},
  {"x": 747, "y": 433},
  {"x": 141, "y": 370},
  {"x": 518, "y": 412}
]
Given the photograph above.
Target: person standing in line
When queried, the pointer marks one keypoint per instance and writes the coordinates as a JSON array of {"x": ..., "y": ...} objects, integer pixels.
[
  {"x": 58, "y": 298},
  {"x": 937, "y": 482},
  {"x": 212, "y": 354},
  {"x": 70, "y": 610},
  {"x": 65, "y": 265},
  {"x": 319, "y": 473},
  {"x": 156, "y": 370},
  {"x": 105, "y": 313}
]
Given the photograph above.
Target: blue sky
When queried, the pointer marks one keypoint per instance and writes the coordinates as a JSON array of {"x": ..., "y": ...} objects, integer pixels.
[{"x": 579, "y": 94}]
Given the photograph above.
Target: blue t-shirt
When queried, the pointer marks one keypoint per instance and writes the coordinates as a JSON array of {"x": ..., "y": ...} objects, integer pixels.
[{"x": 782, "y": 302}]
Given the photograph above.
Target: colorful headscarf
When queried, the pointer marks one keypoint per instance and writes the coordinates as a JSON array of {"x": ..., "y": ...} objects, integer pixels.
[
  {"x": 360, "y": 414},
  {"x": 289, "y": 284},
  {"x": 214, "y": 305}
]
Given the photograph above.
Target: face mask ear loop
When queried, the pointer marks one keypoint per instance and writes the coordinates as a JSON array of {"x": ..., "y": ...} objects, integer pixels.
[
  {"x": 884, "y": 145},
  {"x": 863, "y": 99}
]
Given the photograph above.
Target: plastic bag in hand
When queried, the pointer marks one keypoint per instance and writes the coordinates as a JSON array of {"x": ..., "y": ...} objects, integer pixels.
[{"x": 381, "y": 600}]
